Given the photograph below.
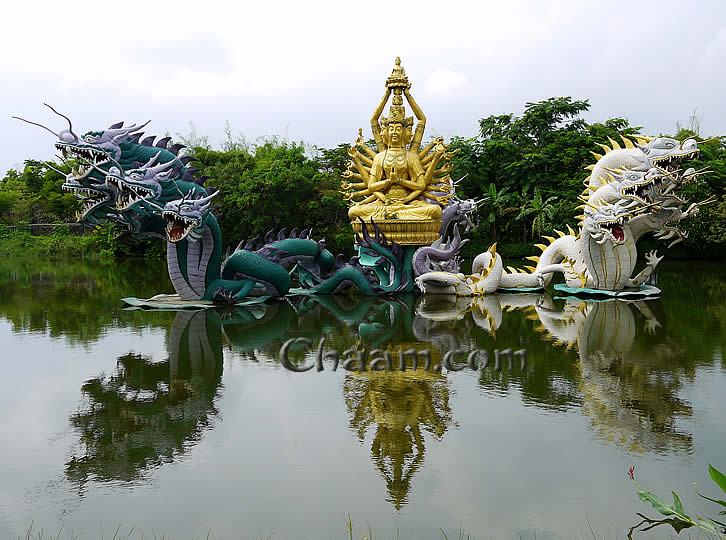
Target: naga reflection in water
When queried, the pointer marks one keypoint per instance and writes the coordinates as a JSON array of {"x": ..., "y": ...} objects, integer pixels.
[{"x": 148, "y": 413}]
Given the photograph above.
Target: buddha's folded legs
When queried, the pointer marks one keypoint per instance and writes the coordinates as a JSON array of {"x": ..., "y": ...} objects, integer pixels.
[{"x": 414, "y": 210}]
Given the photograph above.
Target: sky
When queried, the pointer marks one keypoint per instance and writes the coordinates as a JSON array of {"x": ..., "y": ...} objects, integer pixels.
[{"x": 314, "y": 71}]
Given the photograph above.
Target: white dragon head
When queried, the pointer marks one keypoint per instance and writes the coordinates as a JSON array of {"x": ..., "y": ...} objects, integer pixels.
[
  {"x": 640, "y": 187},
  {"x": 609, "y": 223},
  {"x": 667, "y": 153}
]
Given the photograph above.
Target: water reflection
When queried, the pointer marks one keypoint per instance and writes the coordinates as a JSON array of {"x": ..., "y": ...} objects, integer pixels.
[
  {"x": 148, "y": 413},
  {"x": 397, "y": 407},
  {"x": 623, "y": 365},
  {"x": 629, "y": 400},
  {"x": 78, "y": 299},
  {"x": 630, "y": 405}
]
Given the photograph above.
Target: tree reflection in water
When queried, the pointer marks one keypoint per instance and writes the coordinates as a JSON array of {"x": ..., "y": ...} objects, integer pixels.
[{"x": 148, "y": 413}]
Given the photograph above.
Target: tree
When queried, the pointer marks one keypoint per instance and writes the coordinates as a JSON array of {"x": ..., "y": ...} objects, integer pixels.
[
  {"x": 276, "y": 185},
  {"x": 540, "y": 209},
  {"x": 34, "y": 195},
  {"x": 545, "y": 150},
  {"x": 496, "y": 205}
]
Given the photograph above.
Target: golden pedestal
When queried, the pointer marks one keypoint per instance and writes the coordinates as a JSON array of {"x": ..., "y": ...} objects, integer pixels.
[{"x": 406, "y": 232}]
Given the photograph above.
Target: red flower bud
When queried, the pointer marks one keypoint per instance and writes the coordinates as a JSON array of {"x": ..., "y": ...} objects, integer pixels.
[{"x": 631, "y": 472}]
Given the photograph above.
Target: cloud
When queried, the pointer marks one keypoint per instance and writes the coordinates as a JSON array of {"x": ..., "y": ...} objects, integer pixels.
[
  {"x": 199, "y": 53},
  {"x": 315, "y": 70},
  {"x": 443, "y": 82}
]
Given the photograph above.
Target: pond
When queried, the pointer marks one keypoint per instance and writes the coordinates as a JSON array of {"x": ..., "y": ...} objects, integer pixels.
[{"x": 182, "y": 423}]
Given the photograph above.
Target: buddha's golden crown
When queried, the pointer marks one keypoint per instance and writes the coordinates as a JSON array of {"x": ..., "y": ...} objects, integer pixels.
[{"x": 397, "y": 82}]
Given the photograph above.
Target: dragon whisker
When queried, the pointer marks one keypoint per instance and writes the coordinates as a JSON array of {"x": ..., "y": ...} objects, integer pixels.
[
  {"x": 35, "y": 124},
  {"x": 70, "y": 125},
  {"x": 47, "y": 164}
]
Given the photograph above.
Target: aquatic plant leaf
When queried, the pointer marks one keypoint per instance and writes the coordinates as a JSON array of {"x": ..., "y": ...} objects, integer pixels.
[
  {"x": 708, "y": 525},
  {"x": 677, "y": 504},
  {"x": 676, "y": 524},
  {"x": 717, "y": 501},
  {"x": 718, "y": 477},
  {"x": 656, "y": 503}
]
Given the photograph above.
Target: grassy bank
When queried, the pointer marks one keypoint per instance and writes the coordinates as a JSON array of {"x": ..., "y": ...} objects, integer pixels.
[
  {"x": 101, "y": 243},
  {"x": 107, "y": 242}
]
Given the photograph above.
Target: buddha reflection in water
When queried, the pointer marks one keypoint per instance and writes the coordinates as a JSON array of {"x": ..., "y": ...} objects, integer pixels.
[{"x": 398, "y": 406}]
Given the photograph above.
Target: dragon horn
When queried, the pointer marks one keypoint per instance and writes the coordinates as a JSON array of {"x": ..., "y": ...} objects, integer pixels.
[
  {"x": 137, "y": 128},
  {"x": 123, "y": 132},
  {"x": 207, "y": 199},
  {"x": 456, "y": 183},
  {"x": 709, "y": 200},
  {"x": 70, "y": 125},
  {"x": 127, "y": 129},
  {"x": 151, "y": 162},
  {"x": 162, "y": 166},
  {"x": 666, "y": 172},
  {"x": 702, "y": 170},
  {"x": 643, "y": 209},
  {"x": 35, "y": 124}
]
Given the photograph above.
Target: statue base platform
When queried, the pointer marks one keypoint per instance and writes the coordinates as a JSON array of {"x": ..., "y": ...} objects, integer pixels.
[
  {"x": 405, "y": 232},
  {"x": 639, "y": 293},
  {"x": 520, "y": 289},
  {"x": 172, "y": 302}
]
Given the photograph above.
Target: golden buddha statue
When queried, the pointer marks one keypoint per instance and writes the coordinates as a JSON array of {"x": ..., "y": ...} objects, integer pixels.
[{"x": 401, "y": 187}]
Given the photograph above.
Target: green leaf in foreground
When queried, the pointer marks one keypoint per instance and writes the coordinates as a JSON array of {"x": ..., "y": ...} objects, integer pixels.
[
  {"x": 656, "y": 503},
  {"x": 677, "y": 504},
  {"x": 717, "y": 501},
  {"x": 718, "y": 477}
]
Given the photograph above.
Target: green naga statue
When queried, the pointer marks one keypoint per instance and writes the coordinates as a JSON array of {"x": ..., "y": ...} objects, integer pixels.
[{"x": 146, "y": 186}]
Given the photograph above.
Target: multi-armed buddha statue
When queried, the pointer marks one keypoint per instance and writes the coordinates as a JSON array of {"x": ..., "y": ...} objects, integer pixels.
[
  {"x": 404, "y": 212},
  {"x": 400, "y": 187}
]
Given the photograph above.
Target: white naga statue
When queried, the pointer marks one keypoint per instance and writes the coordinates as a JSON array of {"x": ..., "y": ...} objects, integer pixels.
[{"x": 632, "y": 190}]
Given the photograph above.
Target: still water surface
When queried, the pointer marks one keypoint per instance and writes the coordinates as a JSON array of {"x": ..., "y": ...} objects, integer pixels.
[{"x": 181, "y": 423}]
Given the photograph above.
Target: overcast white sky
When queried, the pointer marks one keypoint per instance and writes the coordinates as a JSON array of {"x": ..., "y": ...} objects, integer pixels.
[{"x": 313, "y": 71}]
